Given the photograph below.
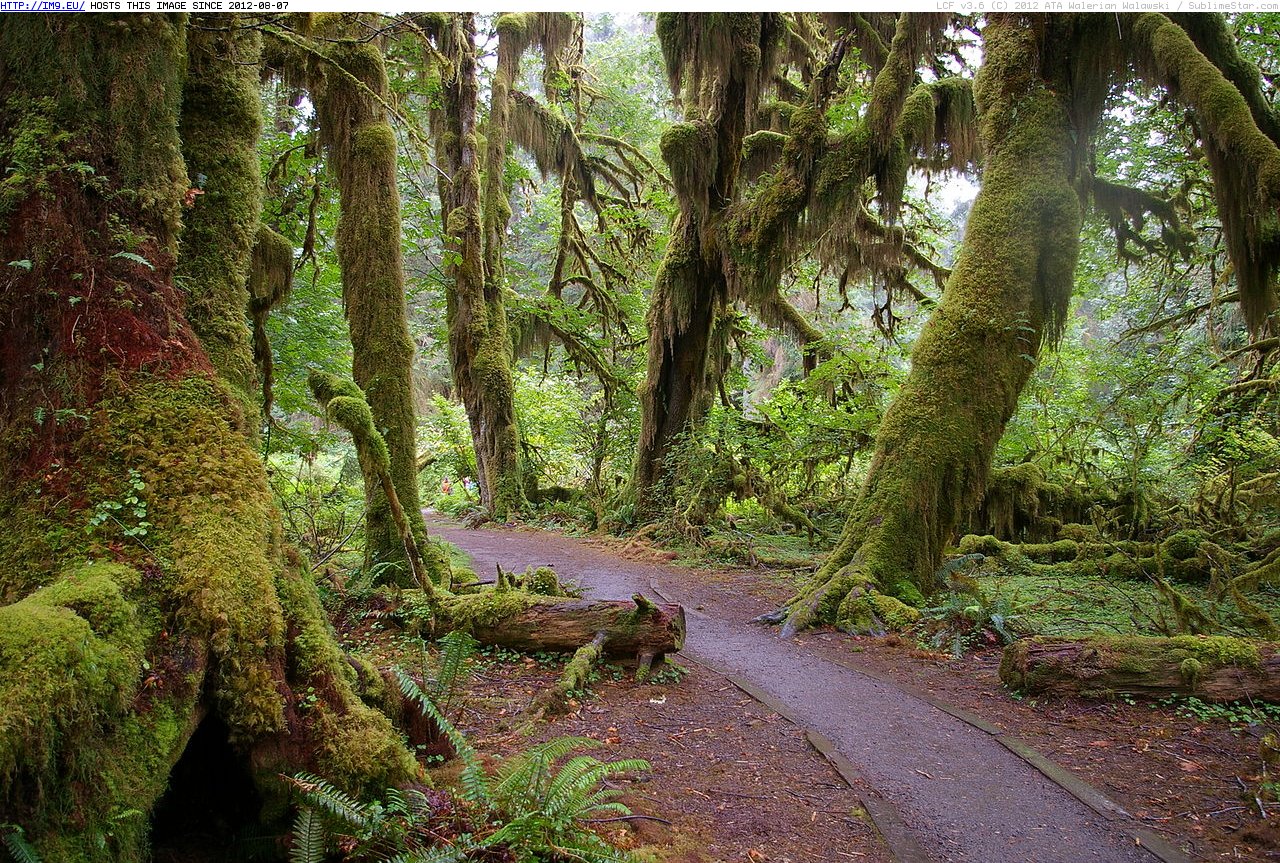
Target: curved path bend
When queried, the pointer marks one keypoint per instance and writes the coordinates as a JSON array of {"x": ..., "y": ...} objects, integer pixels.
[{"x": 961, "y": 794}]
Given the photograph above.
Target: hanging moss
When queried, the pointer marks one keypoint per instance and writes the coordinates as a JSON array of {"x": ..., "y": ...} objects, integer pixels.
[
  {"x": 1008, "y": 291},
  {"x": 221, "y": 120},
  {"x": 1244, "y": 161},
  {"x": 270, "y": 279}
]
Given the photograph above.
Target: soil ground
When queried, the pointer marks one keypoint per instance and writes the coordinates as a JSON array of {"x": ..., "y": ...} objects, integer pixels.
[{"x": 1189, "y": 779}]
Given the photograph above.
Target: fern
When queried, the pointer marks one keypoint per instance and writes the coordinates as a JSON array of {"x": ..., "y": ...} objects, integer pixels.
[
  {"x": 16, "y": 842},
  {"x": 137, "y": 259},
  {"x": 337, "y": 804},
  {"x": 472, "y": 779},
  {"x": 544, "y": 807},
  {"x": 457, "y": 650},
  {"x": 309, "y": 836}
]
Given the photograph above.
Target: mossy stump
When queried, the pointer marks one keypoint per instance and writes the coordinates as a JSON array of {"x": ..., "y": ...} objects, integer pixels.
[{"x": 1213, "y": 668}]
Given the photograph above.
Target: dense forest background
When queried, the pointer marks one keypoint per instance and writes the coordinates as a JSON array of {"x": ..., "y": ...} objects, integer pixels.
[{"x": 965, "y": 326}]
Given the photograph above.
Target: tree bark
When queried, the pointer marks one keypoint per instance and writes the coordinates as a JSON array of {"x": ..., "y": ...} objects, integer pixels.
[
  {"x": 1212, "y": 668},
  {"x": 146, "y": 581},
  {"x": 350, "y": 90}
]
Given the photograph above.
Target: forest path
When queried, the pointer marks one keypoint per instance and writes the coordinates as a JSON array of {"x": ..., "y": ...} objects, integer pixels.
[{"x": 962, "y": 795}]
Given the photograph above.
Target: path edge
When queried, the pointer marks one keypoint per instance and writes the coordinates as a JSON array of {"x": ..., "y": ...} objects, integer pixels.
[{"x": 898, "y": 837}]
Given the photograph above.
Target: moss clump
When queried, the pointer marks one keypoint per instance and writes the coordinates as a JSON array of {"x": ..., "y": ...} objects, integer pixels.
[
  {"x": 487, "y": 609},
  {"x": 1184, "y": 544},
  {"x": 70, "y": 656},
  {"x": 542, "y": 581},
  {"x": 988, "y": 545},
  {"x": 1191, "y": 669},
  {"x": 360, "y": 750}
]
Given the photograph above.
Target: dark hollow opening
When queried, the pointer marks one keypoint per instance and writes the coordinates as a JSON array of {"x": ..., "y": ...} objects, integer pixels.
[{"x": 210, "y": 811}]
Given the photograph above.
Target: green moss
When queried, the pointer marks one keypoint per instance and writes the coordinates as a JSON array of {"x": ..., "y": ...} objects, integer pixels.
[
  {"x": 486, "y": 609},
  {"x": 543, "y": 581},
  {"x": 70, "y": 654},
  {"x": 1191, "y": 669},
  {"x": 350, "y": 95},
  {"x": 874, "y": 613},
  {"x": 360, "y": 751},
  {"x": 221, "y": 120},
  {"x": 988, "y": 545},
  {"x": 1183, "y": 545}
]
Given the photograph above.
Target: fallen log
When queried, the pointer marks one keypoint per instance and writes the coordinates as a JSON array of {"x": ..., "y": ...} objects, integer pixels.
[
  {"x": 631, "y": 628},
  {"x": 1212, "y": 668},
  {"x": 524, "y": 621}
]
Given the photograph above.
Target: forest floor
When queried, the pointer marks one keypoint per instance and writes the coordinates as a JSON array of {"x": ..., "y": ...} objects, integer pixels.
[{"x": 737, "y": 782}]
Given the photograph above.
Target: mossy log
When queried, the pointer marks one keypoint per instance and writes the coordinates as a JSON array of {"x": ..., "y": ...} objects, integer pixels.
[
  {"x": 1213, "y": 668},
  {"x": 631, "y": 628}
]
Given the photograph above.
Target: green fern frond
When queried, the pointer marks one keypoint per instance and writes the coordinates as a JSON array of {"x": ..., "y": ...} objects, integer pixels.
[
  {"x": 474, "y": 785},
  {"x": 458, "y": 648},
  {"x": 308, "y": 837},
  {"x": 337, "y": 804},
  {"x": 523, "y": 779},
  {"x": 455, "y": 853},
  {"x": 18, "y": 846}
]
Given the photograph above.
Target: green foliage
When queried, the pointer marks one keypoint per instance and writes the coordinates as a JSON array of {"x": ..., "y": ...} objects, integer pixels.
[
  {"x": 528, "y": 807},
  {"x": 1236, "y": 713},
  {"x": 131, "y": 507},
  {"x": 16, "y": 843},
  {"x": 543, "y": 808}
]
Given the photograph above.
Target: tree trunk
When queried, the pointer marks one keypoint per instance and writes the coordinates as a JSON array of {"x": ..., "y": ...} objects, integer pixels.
[
  {"x": 221, "y": 120},
  {"x": 479, "y": 346},
  {"x": 1212, "y": 668},
  {"x": 349, "y": 92},
  {"x": 690, "y": 290},
  {"x": 146, "y": 583},
  {"x": 689, "y": 294},
  {"x": 1009, "y": 287}
]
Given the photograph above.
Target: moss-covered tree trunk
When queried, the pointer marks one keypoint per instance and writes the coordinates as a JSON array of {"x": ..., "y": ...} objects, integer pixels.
[
  {"x": 478, "y": 335},
  {"x": 350, "y": 89},
  {"x": 1008, "y": 289},
  {"x": 221, "y": 119},
  {"x": 479, "y": 346},
  {"x": 718, "y": 60},
  {"x": 689, "y": 295},
  {"x": 144, "y": 582}
]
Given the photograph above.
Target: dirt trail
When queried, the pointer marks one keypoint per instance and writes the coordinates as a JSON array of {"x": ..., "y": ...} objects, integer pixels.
[{"x": 965, "y": 796}]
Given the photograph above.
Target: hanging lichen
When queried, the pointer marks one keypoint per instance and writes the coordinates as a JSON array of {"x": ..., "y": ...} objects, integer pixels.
[{"x": 1244, "y": 161}]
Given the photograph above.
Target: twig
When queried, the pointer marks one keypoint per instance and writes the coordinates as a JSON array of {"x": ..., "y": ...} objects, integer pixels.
[{"x": 626, "y": 818}]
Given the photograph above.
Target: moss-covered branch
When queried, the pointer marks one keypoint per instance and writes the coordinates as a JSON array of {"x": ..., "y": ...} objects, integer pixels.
[{"x": 1244, "y": 160}]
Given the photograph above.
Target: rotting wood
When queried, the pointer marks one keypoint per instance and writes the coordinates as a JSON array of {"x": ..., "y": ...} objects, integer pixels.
[{"x": 1213, "y": 668}]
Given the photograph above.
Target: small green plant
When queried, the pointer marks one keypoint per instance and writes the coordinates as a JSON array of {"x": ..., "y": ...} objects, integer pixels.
[
  {"x": 669, "y": 673},
  {"x": 15, "y": 842},
  {"x": 129, "y": 513},
  {"x": 967, "y": 619},
  {"x": 1237, "y": 713}
]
